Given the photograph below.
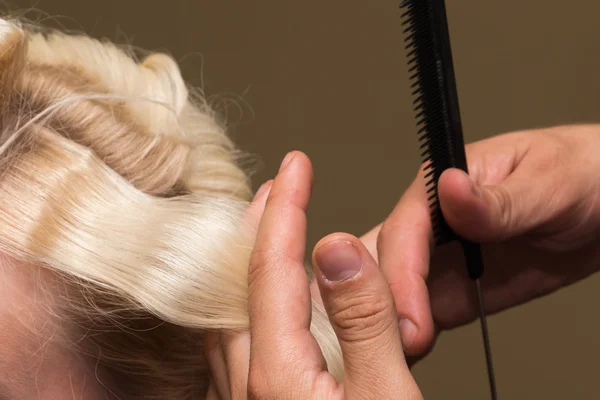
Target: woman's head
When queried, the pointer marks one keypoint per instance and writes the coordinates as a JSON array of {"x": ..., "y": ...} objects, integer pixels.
[{"x": 121, "y": 221}]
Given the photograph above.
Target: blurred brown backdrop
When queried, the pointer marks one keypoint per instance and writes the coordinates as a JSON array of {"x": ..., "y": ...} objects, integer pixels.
[{"x": 329, "y": 78}]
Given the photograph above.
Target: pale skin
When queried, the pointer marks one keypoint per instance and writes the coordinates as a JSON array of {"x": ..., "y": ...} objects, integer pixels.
[
  {"x": 532, "y": 198},
  {"x": 282, "y": 358},
  {"x": 535, "y": 206},
  {"x": 34, "y": 363},
  {"x": 534, "y": 234}
]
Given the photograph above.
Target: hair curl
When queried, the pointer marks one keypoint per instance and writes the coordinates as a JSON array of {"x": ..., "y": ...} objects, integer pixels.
[{"x": 114, "y": 177}]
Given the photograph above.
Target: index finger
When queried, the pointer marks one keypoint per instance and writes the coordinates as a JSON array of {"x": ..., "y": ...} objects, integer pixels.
[
  {"x": 279, "y": 296},
  {"x": 404, "y": 245}
]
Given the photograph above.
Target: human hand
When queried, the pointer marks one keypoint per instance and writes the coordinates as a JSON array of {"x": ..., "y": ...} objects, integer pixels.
[
  {"x": 279, "y": 358},
  {"x": 535, "y": 206}
]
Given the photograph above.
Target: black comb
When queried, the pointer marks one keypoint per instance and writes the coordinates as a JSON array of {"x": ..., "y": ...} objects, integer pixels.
[{"x": 440, "y": 127}]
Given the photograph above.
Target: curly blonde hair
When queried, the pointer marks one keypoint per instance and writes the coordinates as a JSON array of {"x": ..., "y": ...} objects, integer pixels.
[{"x": 127, "y": 187}]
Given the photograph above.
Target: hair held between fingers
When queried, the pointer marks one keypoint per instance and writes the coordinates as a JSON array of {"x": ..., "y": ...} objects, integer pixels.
[{"x": 115, "y": 176}]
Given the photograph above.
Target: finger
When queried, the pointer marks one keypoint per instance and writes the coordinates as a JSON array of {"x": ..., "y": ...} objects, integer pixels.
[
  {"x": 236, "y": 350},
  {"x": 255, "y": 209},
  {"x": 230, "y": 351},
  {"x": 405, "y": 240},
  {"x": 498, "y": 212},
  {"x": 404, "y": 245},
  {"x": 211, "y": 393},
  {"x": 514, "y": 184},
  {"x": 279, "y": 297},
  {"x": 361, "y": 309},
  {"x": 217, "y": 366}
]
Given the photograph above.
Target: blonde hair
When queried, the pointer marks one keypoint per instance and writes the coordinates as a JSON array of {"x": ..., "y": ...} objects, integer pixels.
[{"x": 114, "y": 177}]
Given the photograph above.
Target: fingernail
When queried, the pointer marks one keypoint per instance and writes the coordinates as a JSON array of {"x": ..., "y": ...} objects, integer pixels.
[
  {"x": 474, "y": 188},
  {"x": 408, "y": 332},
  {"x": 286, "y": 161},
  {"x": 263, "y": 190},
  {"x": 338, "y": 261}
]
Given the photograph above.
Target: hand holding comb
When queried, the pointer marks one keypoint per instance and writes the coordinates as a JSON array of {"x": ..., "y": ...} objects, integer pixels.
[{"x": 440, "y": 127}]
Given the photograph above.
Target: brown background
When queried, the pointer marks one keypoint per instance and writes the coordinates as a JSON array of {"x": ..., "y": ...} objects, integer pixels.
[{"x": 329, "y": 78}]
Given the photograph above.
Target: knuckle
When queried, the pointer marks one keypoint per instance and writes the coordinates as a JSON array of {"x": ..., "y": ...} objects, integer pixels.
[
  {"x": 552, "y": 156},
  {"x": 265, "y": 383},
  {"x": 504, "y": 207},
  {"x": 261, "y": 261},
  {"x": 390, "y": 229},
  {"x": 260, "y": 256},
  {"x": 255, "y": 269},
  {"x": 269, "y": 257},
  {"x": 385, "y": 233},
  {"x": 388, "y": 235},
  {"x": 363, "y": 317},
  {"x": 284, "y": 197}
]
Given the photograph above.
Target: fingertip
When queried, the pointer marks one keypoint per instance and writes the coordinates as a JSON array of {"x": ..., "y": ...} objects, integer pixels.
[
  {"x": 256, "y": 208},
  {"x": 296, "y": 158},
  {"x": 461, "y": 202},
  {"x": 263, "y": 192},
  {"x": 294, "y": 181},
  {"x": 361, "y": 310},
  {"x": 456, "y": 181},
  {"x": 417, "y": 338},
  {"x": 305, "y": 163},
  {"x": 337, "y": 258},
  {"x": 415, "y": 319},
  {"x": 331, "y": 238},
  {"x": 418, "y": 331},
  {"x": 409, "y": 332}
]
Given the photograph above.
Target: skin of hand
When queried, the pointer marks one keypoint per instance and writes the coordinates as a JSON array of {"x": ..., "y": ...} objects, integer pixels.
[
  {"x": 532, "y": 200},
  {"x": 278, "y": 358}
]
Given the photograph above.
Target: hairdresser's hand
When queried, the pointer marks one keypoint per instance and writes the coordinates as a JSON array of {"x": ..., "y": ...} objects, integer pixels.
[
  {"x": 279, "y": 358},
  {"x": 534, "y": 201}
]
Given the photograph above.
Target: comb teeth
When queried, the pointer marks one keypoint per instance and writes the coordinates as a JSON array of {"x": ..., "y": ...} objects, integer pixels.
[
  {"x": 430, "y": 105},
  {"x": 429, "y": 53}
]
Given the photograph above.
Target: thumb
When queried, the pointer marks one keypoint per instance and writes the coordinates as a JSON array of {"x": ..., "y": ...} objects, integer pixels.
[
  {"x": 362, "y": 311},
  {"x": 489, "y": 213}
]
